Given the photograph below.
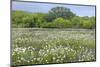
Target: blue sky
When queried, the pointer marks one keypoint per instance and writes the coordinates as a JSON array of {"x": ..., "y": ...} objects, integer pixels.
[{"x": 45, "y": 7}]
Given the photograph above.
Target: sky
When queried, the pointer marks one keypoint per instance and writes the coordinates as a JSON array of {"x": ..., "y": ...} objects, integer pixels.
[{"x": 79, "y": 10}]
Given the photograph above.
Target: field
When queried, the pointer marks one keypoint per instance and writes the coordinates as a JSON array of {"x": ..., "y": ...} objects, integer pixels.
[{"x": 43, "y": 46}]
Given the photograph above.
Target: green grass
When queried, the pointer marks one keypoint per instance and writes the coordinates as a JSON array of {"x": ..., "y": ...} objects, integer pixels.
[{"x": 41, "y": 46}]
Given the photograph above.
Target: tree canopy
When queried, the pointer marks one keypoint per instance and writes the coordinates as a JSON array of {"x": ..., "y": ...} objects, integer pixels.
[{"x": 60, "y": 11}]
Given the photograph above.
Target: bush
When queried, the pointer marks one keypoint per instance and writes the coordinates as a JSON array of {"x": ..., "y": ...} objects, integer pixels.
[
  {"x": 58, "y": 23},
  {"x": 61, "y": 23},
  {"x": 22, "y": 19},
  {"x": 86, "y": 24}
]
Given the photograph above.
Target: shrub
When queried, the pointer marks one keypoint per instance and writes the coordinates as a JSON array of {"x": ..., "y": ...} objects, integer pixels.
[
  {"x": 61, "y": 23},
  {"x": 87, "y": 24}
]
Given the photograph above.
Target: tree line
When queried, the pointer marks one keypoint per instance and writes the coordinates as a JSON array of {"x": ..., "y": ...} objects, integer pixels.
[{"x": 57, "y": 17}]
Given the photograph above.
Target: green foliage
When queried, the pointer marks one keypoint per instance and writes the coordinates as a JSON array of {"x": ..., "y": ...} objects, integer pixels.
[
  {"x": 24, "y": 19},
  {"x": 86, "y": 24},
  {"x": 76, "y": 22},
  {"x": 61, "y": 23},
  {"x": 39, "y": 19},
  {"x": 58, "y": 23},
  {"x": 21, "y": 19},
  {"x": 58, "y": 12},
  {"x": 57, "y": 17},
  {"x": 93, "y": 21}
]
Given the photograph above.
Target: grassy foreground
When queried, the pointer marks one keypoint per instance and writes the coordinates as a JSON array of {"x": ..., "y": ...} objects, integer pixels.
[{"x": 41, "y": 46}]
